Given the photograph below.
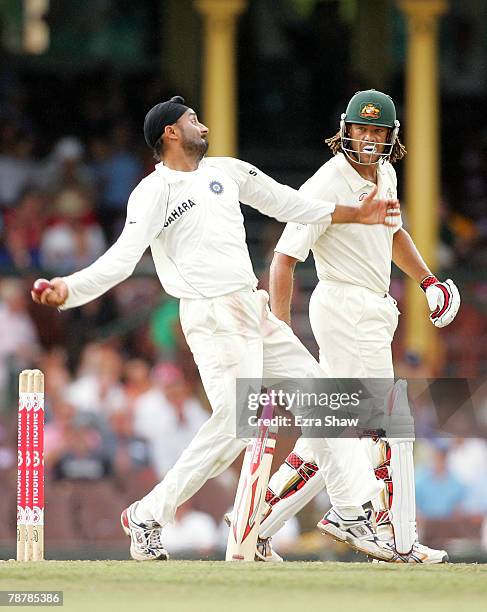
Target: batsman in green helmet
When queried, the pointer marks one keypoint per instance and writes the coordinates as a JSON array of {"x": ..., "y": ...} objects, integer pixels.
[
  {"x": 369, "y": 111},
  {"x": 354, "y": 318}
]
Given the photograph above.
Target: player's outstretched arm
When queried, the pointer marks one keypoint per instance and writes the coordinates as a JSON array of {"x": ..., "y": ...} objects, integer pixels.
[
  {"x": 443, "y": 297},
  {"x": 286, "y": 204},
  {"x": 144, "y": 222},
  {"x": 281, "y": 285},
  {"x": 88, "y": 284},
  {"x": 374, "y": 211},
  {"x": 271, "y": 198}
]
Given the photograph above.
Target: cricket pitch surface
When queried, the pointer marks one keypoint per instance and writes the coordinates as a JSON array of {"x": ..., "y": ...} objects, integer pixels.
[{"x": 180, "y": 586}]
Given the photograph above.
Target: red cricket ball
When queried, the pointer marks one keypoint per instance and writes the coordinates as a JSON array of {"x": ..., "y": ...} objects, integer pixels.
[{"x": 40, "y": 285}]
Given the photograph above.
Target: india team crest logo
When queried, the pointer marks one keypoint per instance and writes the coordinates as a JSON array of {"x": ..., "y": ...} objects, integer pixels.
[
  {"x": 370, "y": 111},
  {"x": 216, "y": 187}
]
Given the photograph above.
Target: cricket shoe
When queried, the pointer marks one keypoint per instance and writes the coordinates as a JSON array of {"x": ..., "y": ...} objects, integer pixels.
[
  {"x": 264, "y": 550},
  {"x": 421, "y": 554},
  {"x": 358, "y": 533},
  {"x": 145, "y": 538}
]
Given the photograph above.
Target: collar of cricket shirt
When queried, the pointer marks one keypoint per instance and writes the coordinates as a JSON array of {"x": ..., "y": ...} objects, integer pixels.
[
  {"x": 353, "y": 178},
  {"x": 175, "y": 176}
]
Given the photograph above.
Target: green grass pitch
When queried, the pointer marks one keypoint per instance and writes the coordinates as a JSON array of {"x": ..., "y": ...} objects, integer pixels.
[{"x": 180, "y": 586}]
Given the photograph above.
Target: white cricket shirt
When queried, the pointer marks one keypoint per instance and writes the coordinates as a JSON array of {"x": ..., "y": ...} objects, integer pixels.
[
  {"x": 349, "y": 253},
  {"x": 194, "y": 226}
]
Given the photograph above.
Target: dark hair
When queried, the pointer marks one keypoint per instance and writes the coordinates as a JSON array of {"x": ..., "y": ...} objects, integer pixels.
[
  {"x": 158, "y": 149},
  {"x": 398, "y": 149}
]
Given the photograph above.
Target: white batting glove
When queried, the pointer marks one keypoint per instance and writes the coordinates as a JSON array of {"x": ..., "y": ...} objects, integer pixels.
[{"x": 443, "y": 300}]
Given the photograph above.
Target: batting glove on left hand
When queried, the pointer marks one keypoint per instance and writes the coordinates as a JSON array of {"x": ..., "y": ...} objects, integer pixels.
[{"x": 443, "y": 300}]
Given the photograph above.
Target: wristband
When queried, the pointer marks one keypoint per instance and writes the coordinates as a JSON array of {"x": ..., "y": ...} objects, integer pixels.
[{"x": 428, "y": 281}]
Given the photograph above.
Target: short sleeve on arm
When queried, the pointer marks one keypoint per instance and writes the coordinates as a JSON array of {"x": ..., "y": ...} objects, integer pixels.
[
  {"x": 297, "y": 239},
  {"x": 398, "y": 226}
]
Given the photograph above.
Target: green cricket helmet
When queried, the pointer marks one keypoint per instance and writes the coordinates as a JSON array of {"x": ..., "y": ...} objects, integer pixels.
[{"x": 370, "y": 107}]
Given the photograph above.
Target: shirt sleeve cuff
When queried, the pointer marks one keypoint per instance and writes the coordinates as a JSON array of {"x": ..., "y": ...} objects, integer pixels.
[{"x": 289, "y": 253}]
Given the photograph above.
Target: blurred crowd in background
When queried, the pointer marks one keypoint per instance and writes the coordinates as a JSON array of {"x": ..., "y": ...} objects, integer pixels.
[{"x": 123, "y": 394}]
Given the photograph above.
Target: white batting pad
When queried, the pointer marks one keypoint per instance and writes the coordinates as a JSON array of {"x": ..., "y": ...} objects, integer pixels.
[
  {"x": 286, "y": 508},
  {"x": 403, "y": 507},
  {"x": 398, "y": 422},
  {"x": 399, "y": 427}
]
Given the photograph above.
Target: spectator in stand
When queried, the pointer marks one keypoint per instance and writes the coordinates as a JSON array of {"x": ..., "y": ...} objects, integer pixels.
[
  {"x": 56, "y": 375},
  {"x": 74, "y": 238},
  {"x": 58, "y": 431},
  {"x": 84, "y": 456},
  {"x": 98, "y": 389},
  {"x": 137, "y": 380},
  {"x": 117, "y": 170},
  {"x": 8, "y": 456},
  {"x": 66, "y": 168},
  {"x": 100, "y": 151},
  {"x": 165, "y": 327},
  {"x": 439, "y": 493},
  {"x": 19, "y": 340},
  {"x": 8, "y": 466},
  {"x": 24, "y": 225},
  {"x": 467, "y": 460},
  {"x": 130, "y": 456},
  {"x": 17, "y": 167},
  {"x": 170, "y": 413},
  {"x": 87, "y": 325}
]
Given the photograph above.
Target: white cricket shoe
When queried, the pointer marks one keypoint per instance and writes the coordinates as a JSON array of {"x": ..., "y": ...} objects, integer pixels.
[
  {"x": 358, "y": 533},
  {"x": 145, "y": 538},
  {"x": 421, "y": 554},
  {"x": 264, "y": 550}
]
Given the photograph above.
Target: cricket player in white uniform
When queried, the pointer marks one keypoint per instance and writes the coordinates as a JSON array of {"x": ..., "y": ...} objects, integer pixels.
[
  {"x": 354, "y": 318},
  {"x": 188, "y": 212}
]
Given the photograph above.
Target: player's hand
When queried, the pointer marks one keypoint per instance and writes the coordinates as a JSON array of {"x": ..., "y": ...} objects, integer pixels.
[
  {"x": 54, "y": 296},
  {"x": 443, "y": 300},
  {"x": 376, "y": 211}
]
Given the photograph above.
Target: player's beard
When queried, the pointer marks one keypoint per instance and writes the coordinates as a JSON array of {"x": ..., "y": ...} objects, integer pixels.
[{"x": 196, "y": 148}]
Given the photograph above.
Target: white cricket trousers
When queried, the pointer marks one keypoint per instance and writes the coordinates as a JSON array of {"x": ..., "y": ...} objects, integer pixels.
[
  {"x": 236, "y": 336},
  {"x": 354, "y": 328}
]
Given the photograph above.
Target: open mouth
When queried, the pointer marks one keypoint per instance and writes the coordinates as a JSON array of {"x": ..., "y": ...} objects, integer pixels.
[{"x": 369, "y": 149}]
